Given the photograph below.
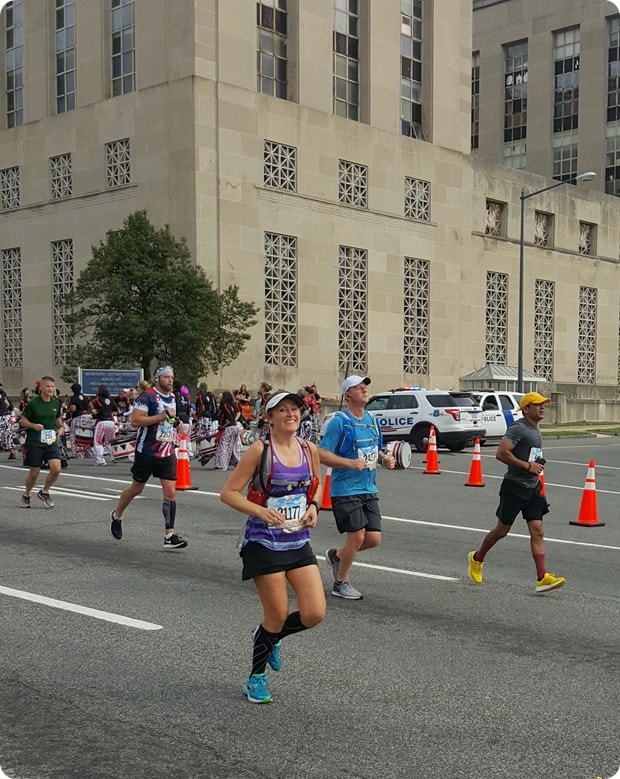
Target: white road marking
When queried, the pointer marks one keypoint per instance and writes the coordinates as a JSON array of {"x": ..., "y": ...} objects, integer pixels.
[
  {"x": 547, "y": 483},
  {"x": 66, "y": 606},
  {"x": 510, "y": 535},
  {"x": 404, "y": 571},
  {"x": 69, "y": 493}
]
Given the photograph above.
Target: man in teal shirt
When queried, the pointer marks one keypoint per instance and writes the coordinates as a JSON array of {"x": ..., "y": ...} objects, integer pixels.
[
  {"x": 43, "y": 423},
  {"x": 352, "y": 447}
]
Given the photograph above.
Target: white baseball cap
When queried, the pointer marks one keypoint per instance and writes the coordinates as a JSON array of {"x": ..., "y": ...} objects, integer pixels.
[
  {"x": 354, "y": 381},
  {"x": 280, "y": 396}
]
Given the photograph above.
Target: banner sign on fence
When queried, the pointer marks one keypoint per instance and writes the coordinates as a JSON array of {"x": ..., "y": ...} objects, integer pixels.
[{"x": 115, "y": 380}]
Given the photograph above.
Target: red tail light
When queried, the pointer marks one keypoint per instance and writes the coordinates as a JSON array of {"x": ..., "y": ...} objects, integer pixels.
[{"x": 454, "y": 413}]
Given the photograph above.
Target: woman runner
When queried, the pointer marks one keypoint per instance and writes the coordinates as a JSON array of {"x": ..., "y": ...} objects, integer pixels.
[{"x": 275, "y": 547}]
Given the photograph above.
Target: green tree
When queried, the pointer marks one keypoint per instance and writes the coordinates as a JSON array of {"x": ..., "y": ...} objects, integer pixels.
[{"x": 141, "y": 299}]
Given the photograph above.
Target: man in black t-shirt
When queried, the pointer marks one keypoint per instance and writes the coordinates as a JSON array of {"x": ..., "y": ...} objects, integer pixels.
[{"x": 521, "y": 492}]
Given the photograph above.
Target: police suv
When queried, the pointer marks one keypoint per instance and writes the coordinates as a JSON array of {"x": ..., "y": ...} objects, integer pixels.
[
  {"x": 500, "y": 409},
  {"x": 407, "y": 413}
]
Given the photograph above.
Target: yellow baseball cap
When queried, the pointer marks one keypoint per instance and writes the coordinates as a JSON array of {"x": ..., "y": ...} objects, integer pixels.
[{"x": 535, "y": 398}]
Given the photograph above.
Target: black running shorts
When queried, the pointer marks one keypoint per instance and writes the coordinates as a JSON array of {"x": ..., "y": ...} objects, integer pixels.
[
  {"x": 160, "y": 467},
  {"x": 513, "y": 498},
  {"x": 357, "y": 512}
]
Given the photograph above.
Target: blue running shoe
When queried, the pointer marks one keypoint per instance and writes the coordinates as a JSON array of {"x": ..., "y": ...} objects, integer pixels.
[
  {"x": 274, "y": 660},
  {"x": 256, "y": 689}
]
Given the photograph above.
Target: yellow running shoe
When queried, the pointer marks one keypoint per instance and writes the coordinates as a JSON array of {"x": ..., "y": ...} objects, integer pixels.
[
  {"x": 475, "y": 568},
  {"x": 549, "y": 582}
]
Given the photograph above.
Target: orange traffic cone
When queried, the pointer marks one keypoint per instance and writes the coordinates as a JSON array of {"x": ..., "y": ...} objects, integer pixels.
[
  {"x": 432, "y": 461},
  {"x": 326, "y": 501},
  {"x": 475, "y": 472},
  {"x": 588, "y": 512},
  {"x": 184, "y": 477},
  {"x": 541, "y": 479}
]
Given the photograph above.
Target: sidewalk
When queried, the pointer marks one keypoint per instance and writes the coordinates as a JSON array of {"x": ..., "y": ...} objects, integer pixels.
[{"x": 581, "y": 429}]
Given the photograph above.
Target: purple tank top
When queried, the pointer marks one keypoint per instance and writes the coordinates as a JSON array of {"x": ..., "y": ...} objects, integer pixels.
[{"x": 275, "y": 538}]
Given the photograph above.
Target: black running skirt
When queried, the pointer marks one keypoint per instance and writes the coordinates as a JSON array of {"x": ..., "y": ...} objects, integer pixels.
[{"x": 258, "y": 560}]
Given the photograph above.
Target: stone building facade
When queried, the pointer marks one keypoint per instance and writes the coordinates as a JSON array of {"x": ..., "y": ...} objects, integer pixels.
[{"x": 317, "y": 154}]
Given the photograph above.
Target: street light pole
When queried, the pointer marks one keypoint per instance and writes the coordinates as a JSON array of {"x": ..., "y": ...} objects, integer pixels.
[{"x": 523, "y": 197}]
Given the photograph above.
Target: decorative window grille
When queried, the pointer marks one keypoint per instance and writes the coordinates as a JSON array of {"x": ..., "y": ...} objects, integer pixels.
[
  {"x": 123, "y": 46},
  {"x": 586, "y": 347},
  {"x": 416, "y": 316},
  {"x": 9, "y": 189},
  {"x": 567, "y": 58},
  {"x": 515, "y": 103},
  {"x": 495, "y": 212},
  {"x": 281, "y": 300},
  {"x": 117, "y": 163},
  {"x": 352, "y": 309},
  {"x": 14, "y": 58},
  {"x": 543, "y": 227},
  {"x": 346, "y": 59},
  {"x": 411, "y": 68},
  {"x": 565, "y": 155},
  {"x": 618, "y": 347},
  {"x": 62, "y": 283},
  {"x": 272, "y": 45},
  {"x": 496, "y": 318},
  {"x": 586, "y": 238},
  {"x": 280, "y": 166},
  {"x": 61, "y": 177},
  {"x": 352, "y": 184},
  {"x": 612, "y": 159},
  {"x": 12, "y": 345},
  {"x": 417, "y": 199},
  {"x": 475, "y": 100},
  {"x": 65, "y": 56},
  {"x": 544, "y": 307}
]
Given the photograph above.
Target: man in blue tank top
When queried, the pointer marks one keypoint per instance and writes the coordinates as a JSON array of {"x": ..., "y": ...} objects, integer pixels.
[{"x": 351, "y": 446}]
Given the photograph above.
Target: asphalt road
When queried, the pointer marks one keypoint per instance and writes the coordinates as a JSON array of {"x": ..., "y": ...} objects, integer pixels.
[{"x": 428, "y": 677}]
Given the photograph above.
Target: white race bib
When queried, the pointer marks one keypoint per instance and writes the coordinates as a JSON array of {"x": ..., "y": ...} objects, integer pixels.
[
  {"x": 535, "y": 452},
  {"x": 48, "y": 437},
  {"x": 165, "y": 432},
  {"x": 293, "y": 507},
  {"x": 370, "y": 455}
]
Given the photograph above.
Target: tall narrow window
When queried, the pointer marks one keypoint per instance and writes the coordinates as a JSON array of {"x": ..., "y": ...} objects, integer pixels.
[
  {"x": 281, "y": 300},
  {"x": 543, "y": 229},
  {"x": 618, "y": 377},
  {"x": 515, "y": 103},
  {"x": 566, "y": 103},
  {"x": 586, "y": 345},
  {"x": 61, "y": 178},
  {"x": 346, "y": 59},
  {"x": 475, "y": 100},
  {"x": 12, "y": 346},
  {"x": 352, "y": 184},
  {"x": 544, "y": 305},
  {"x": 352, "y": 309},
  {"x": 117, "y": 163},
  {"x": 280, "y": 166},
  {"x": 10, "y": 193},
  {"x": 272, "y": 46},
  {"x": 417, "y": 199},
  {"x": 14, "y": 57},
  {"x": 62, "y": 283},
  {"x": 123, "y": 47},
  {"x": 612, "y": 151},
  {"x": 496, "y": 342},
  {"x": 65, "y": 56},
  {"x": 411, "y": 68},
  {"x": 416, "y": 316}
]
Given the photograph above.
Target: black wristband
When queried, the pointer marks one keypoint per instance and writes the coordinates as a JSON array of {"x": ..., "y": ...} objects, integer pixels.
[{"x": 315, "y": 503}]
